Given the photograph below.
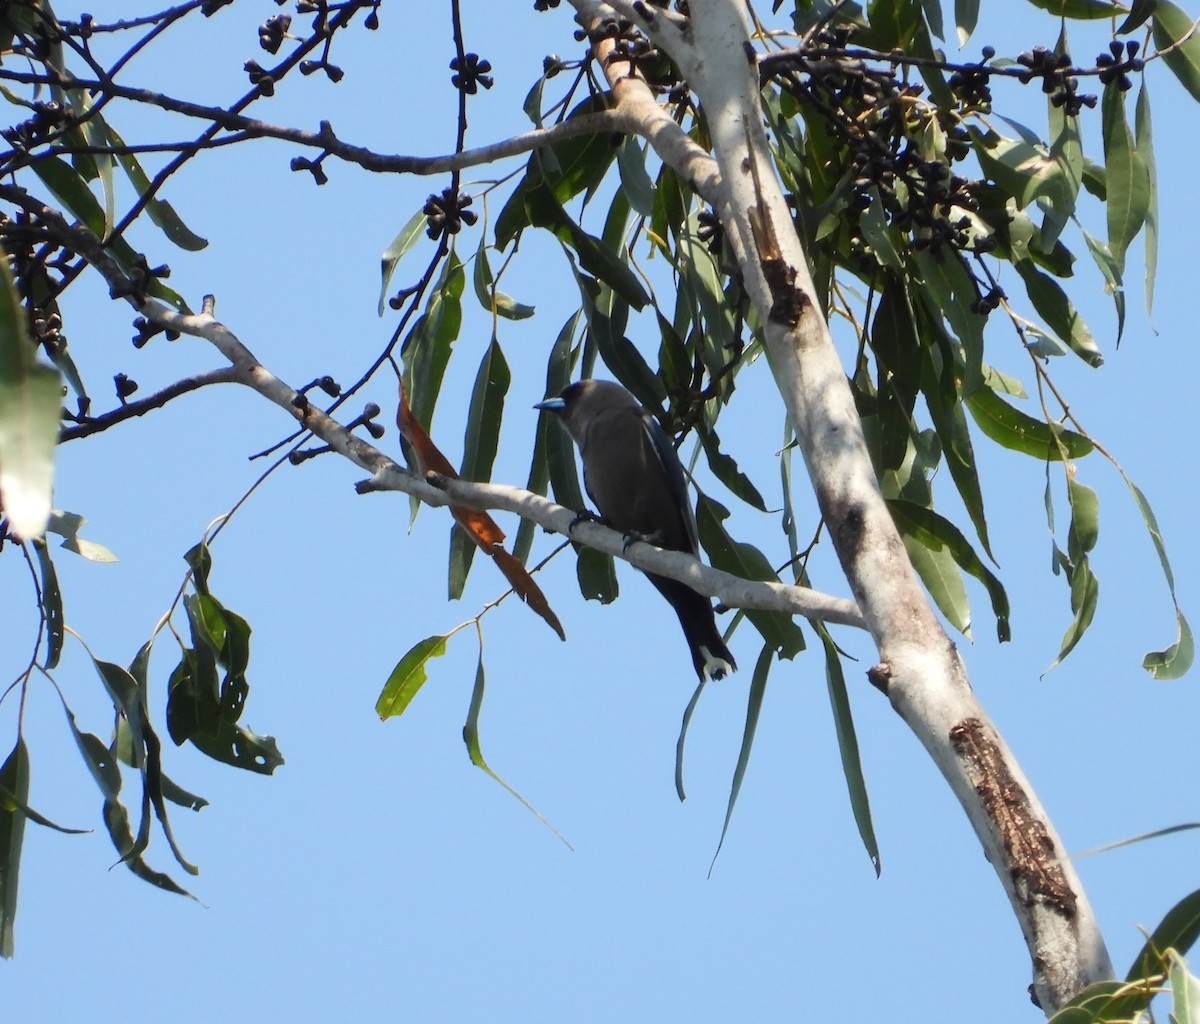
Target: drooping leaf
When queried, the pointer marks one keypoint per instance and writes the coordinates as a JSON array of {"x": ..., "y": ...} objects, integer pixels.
[
  {"x": 934, "y": 532},
  {"x": 116, "y": 819},
  {"x": 843, "y": 722},
  {"x": 1178, "y": 930},
  {"x": 1081, "y": 10},
  {"x": 1176, "y": 659},
  {"x": 408, "y": 236},
  {"x": 14, "y": 779},
  {"x": 1126, "y": 173},
  {"x": 966, "y": 15},
  {"x": 1013, "y": 429},
  {"x": 160, "y": 212},
  {"x": 562, "y": 171},
  {"x": 725, "y": 469},
  {"x": 1059, "y": 312},
  {"x": 1185, "y": 991},
  {"x": 409, "y": 676},
  {"x": 490, "y": 297},
  {"x": 480, "y": 441},
  {"x": 635, "y": 182},
  {"x": 1143, "y": 135},
  {"x": 1173, "y": 34},
  {"x": 758, "y": 689},
  {"x": 51, "y": 603},
  {"x": 475, "y": 751},
  {"x": 67, "y": 525},
  {"x": 780, "y": 631},
  {"x": 426, "y": 351},
  {"x": 545, "y": 211},
  {"x": 950, "y": 422},
  {"x": 597, "y": 576},
  {"x": 1111, "y": 270},
  {"x": 30, "y": 410}
]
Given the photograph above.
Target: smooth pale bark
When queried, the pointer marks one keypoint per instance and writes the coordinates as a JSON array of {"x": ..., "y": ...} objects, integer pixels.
[{"x": 919, "y": 668}]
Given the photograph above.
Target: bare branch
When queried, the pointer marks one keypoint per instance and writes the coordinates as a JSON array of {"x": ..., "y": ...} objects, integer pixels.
[{"x": 96, "y": 424}]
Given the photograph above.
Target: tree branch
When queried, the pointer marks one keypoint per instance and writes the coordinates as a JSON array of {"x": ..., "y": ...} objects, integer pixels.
[
  {"x": 386, "y": 474},
  {"x": 920, "y": 669},
  {"x": 96, "y": 424},
  {"x": 324, "y": 139}
]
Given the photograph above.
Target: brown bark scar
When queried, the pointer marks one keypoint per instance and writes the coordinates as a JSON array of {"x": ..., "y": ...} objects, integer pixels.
[
  {"x": 1036, "y": 875},
  {"x": 788, "y": 302}
]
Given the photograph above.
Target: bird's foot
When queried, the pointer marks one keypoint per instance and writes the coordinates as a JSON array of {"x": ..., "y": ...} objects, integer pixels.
[
  {"x": 582, "y": 516},
  {"x": 633, "y": 537}
]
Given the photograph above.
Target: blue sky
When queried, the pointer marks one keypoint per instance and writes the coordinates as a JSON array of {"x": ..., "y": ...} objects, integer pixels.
[{"x": 378, "y": 875}]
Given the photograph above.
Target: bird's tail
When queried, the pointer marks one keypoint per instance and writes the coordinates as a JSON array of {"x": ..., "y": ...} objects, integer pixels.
[{"x": 710, "y": 656}]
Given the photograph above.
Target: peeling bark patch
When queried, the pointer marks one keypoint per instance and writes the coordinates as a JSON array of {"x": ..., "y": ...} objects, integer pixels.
[
  {"x": 788, "y": 302},
  {"x": 880, "y": 676},
  {"x": 848, "y": 540},
  {"x": 1033, "y": 867}
]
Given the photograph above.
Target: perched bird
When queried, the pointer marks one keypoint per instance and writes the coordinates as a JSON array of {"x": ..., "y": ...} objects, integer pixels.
[{"x": 633, "y": 474}]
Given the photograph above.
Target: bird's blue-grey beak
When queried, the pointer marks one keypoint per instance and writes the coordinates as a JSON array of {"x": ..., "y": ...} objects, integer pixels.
[{"x": 552, "y": 405}]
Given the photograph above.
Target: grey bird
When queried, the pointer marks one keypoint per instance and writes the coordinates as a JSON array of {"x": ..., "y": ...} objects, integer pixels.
[{"x": 633, "y": 475}]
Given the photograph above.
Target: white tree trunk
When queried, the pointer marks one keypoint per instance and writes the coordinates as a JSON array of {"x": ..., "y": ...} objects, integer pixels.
[{"x": 919, "y": 668}]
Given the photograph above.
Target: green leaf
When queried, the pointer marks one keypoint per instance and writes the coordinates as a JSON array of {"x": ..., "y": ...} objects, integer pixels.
[
  {"x": 1105, "y": 1002},
  {"x": 943, "y": 579},
  {"x": 14, "y": 779},
  {"x": 409, "y": 235},
  {"x": 925, "y": 527},
  {"x": 725, "y": 469},
  {"x": 1176, "y": 659},
  {"x": 52, "y": 608},
  {"x": 683, "y": 729},
  {"x": 475, "y": 752},
  {"x": 484, "y": 416},
  {"x": 635, "y": 182},
  {"x": 408, "y": 676},
  {"x": 1171, "y": 25},
  {"x": 479, "y": 449},
  {"x": 100, "y": 760},
  {"x": 1019, "y": 432},
  {"x": 758, "y": 688},
  {"x": 560, "y": 171},
  {"x": 1127, "y": 176},
  {"x": 427, "y": 349},
  {"x": 780, "y": 631},
  {"x": 597, "y": 576},
  {"x": 843, "y": 721},
  {"x": 1085, "y": 518},
  {"x": 966, "y": 15},
  {"x": 1022, "y": 168},
  {"x": 1185, "y": 991},
  {"x": 946, "y": 410},
  {"x": 606, "y": 314},
  {"x": 1059, "y": 312},
  {"x": 67, "y": 525},
  {"x": 1085, "y": 592},
  {"x": 1139, "y": 11},
  {"x": 489, "y": 297},
  {"x": 1111, "y": 270},
  {"x": 1081, "y": 10},
  {"x": 546, "y": 211},
  {"x": 116, "y": 819},
  {"x": 30, "y": 408},
  {"x": 160, "y": 212},
  {"x": 1178, "y": 930},
  {"x": 1143, "y": 134}
]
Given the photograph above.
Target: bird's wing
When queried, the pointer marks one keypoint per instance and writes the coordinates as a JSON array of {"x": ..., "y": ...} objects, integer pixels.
[{"x": 673, "y": 471}]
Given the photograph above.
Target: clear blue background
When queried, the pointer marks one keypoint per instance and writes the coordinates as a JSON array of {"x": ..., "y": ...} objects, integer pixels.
[{"x": 379, "y": 876}]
